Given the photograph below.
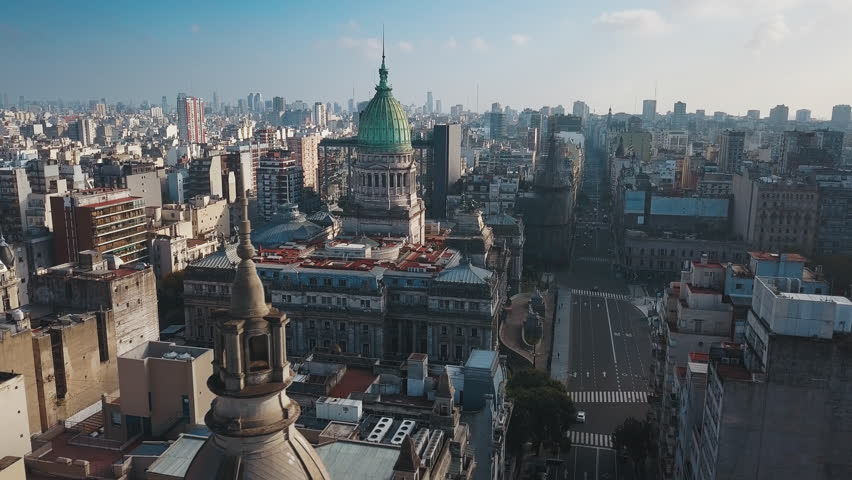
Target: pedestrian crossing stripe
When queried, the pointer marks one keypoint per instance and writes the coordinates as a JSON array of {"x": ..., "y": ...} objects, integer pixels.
[
  {"x": 609, "y": 397},
  {"x": 607, "y": 295},
  {"x": 593, "y": 439},
  {"x": 594, "y": 259}
]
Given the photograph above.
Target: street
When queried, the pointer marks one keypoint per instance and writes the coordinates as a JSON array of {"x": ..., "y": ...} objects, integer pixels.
[{"x": 601, "y": 348}]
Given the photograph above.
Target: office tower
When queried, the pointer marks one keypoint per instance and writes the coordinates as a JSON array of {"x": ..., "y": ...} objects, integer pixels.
[
  {"x": 258, "y": 102},
  {"x": 731, "y": 150},
  {"x": 496, "y": 107},
  {"x": 497, "y": 125},
  {"x": 279, "y": 182},
  {"x": 581, "y": 110},
  {"x": 320, "y": 115},
  {"x": 558, "y": 110},
  {"x": 649, "y": 110},
  {"x": 351, "y": 105},
  {"x": 438, "y": 107},
  {"x": 337, "y": 109},
  {"x": 164, "y": 104},
  {"x": 278, "y": 105},
  {"x": 429, "y": 104},
  {"x": 803, "y": 115},
  {"x": 250, "y": 102},
  {"x": 841, "y": 116},
  {"x": 85, "y": 131},
  {"x": 305, "y": 150},
  {"x": 106, "y": 220},
  {"x": 14, "y": 190},
  {"x": 679, "y": 116},
  {"x": 753, "y": 115},
  {"x": 215, "y": 102},
  {"x": 779, "y": 116},
  {"x": 190, "y": 112},
  {"x": 446, "y": 157},
  {"x": 456, "y": 110}
]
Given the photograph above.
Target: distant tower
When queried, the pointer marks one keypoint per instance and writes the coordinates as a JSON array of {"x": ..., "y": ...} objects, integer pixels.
[
  {"x": 252, "y": 420},
  {"x": 190, "y": 112},
  {"x": 429, "y": 103}
]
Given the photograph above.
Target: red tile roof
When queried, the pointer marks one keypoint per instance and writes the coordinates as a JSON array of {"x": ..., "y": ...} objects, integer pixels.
[
  {"x": 699, "y": 357},
  {"x": 789, "y": 257},
  {"x": 354, "y": 380}
]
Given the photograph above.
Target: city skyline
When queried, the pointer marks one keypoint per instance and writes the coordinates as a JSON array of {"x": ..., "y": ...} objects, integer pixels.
[{"x": 729, "y": 58}]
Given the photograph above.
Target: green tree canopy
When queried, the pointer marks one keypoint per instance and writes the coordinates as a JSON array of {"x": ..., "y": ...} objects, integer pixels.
[
  {"x": 633, "y": 438},
  {"x": 543, "y": 411}
]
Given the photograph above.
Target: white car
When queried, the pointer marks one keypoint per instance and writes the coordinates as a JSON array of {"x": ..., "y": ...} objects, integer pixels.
[{"x": 581, "y": 417}]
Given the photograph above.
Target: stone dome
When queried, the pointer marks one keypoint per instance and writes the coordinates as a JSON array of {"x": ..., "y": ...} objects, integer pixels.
[{"x": 383, "y": 125}]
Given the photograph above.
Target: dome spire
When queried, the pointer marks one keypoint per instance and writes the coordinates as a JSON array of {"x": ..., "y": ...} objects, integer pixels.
[
  {"x": 247, "y": 295},
  {"x": 383, "y": 71}
]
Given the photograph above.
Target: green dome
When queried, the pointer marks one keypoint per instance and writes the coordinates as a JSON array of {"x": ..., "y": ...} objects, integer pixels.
[{"x": 383, "y": 124}]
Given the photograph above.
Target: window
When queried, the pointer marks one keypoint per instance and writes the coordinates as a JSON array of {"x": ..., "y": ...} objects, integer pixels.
[
  {"x": 312, "y": 324},
  {"x": 115, "y": 418},
  {"x": 342, "y": 326},
  {"x": 258, "y": 353},
  {"x": 326, "y": 325},
  {"x": 459, "y": 331},
  {"x": 365, "y": 349},
  {"x": 341, "y": 282},
  {"x": 443, "y": 329},
  {"x": 327, "y": 282},
  {"x": 459, "y": 352},
  {"x": 312, "y": 344},
  {"x": 738, "y": 286},
  {"x": 458, "y": 305},
  {"x": 473, "y": 306},
  {"x": 474, "y": 332},
  {"x": 312, "y": 281},
  {"x": 312, "y": 299},
  {"x": 444, "y": 351},
  {"x": 365, "y": 328},
  {"x": 365, "y": 304},
  {"x": 341, "y": 301},
  {"x": 326, "y": 300}
]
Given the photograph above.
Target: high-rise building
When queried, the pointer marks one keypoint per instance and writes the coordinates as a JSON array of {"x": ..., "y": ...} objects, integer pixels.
[
  {"x": 496, "y": 107},
  {"x": 841, "y": 115},
  {"x": 351, "y": 105},
  {"x": 157, "y": 113},
  {"x": 258, "y": 103},
  {"x": 14, "y": 191},
  {"x": 803, "y": 115},
  {"x": 279, "y": 182},
  {"x": 320, "y": 115},
  {"x": 110, "y": 221},
  {"x": 753, "y": 115},
  {"x": 383, "y": 179},
  {"x": 731, "y": 150},
  {"x": 581, "y": 110},
  {"x": 779, "y": 116},
  {"x": 305, "y": 150},
  {"x": 215, "y": 102},
  {"x": 446, "y": 170},
  {"x": 191, "y": 119},
  {"x": 497, "y": 125},
  {"x": 429, "y": 103},
  {"x": 250, "y": 102},
  {"x": 679, "y": 116},
  {"x": 164, "y": 104},
  {"x": 85, "y": 131},
  {"x": 649, "y": 110},
  {"x": 438, "y": 107}
]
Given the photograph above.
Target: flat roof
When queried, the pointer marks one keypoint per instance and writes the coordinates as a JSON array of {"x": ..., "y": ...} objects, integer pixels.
[
  {"x": 153, "y": 349},
  {"x": 176, "y": 460},
  {"x": 346, "y": 459},
  {"x": 354, "y": 380},
  {"x": 481, "y": 359},
  {"x": 788, "y": 257}
]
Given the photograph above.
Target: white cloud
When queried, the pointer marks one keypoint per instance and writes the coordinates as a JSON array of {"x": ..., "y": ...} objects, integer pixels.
[
  {"x": 369, "y": 47},
  {"x": 642, "y": 21},
  {"x": 769, "y": 33},
  {"x": 733, "y": 8},
  {"x": 520, "y": 39},
  {"x": 405, "y": 46},
  {"x": 451, "y": 42},
  {"x": 195, "y": 28},
  {"x": 479, "y": 44}
]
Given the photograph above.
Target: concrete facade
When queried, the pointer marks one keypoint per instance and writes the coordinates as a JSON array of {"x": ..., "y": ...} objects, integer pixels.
[{"x": 15, "y": 435}]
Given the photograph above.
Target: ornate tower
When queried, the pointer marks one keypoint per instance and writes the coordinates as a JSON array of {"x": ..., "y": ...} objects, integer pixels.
[
  {"x": 252, "y": 420},
  {"x": 383, "y": 182}
]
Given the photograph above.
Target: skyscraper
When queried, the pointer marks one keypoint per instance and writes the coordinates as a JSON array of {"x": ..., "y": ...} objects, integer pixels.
[
  {"x": 753, "y": 115},
  {"x": 191, "y": 119},
  {"x": 429, "y": 104},
  {"x": 438, "y": 107},
  {"x": 250, "y": 102},
  {"x": 679, "y": 117},
  {"x": 803, "y": 115},
  {"x": 446, "y": 155},
  {"x": 320, "y": 115},
  {"x": 215, "y": 102},
  {"x": 649, "y": 110},
  {"x": 581, "y": 110},
  {"x": 779, "y": 116},
  {"x": 497, "y": 125},
  {"x": 278, "y": 105},
  {"x": 731, "y": 149},
  {"x": 164, "y": 104},
  {"x": 351, "y": 105},
  {"x": 258, "y": 102},
  {"x": 841, "y": 115}
]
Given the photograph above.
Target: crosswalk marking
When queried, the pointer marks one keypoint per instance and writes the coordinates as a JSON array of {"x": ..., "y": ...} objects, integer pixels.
[
  {"x": 594, "y": 439},
  {"x": 608, "y": 295},
  {"x": 594, "y": 259},
  {"x": 609, "y": 397}
]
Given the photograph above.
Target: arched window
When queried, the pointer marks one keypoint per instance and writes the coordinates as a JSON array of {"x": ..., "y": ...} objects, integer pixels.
[{"x": 258, "y": 353}]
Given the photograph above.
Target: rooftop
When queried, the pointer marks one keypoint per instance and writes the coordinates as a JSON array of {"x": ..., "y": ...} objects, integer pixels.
[
  {"x": 165, "y": 350},
  {"x": 345, "y": 459},
  {"x": 787, "y": 257},
  {"x": 175, "y": 461},
  {"x": 354, "y": 380}
]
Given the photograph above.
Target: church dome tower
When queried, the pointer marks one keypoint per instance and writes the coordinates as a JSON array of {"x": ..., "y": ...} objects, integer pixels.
[
  {"x": 383, "y": 196},
  {"x": 252, "y": 420}
]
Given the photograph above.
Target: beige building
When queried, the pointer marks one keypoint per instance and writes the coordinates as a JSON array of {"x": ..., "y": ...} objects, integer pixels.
[
  {"x": 306, "y": 151},
  {"x": 12, "y": 468},
  {"x": 15, "y": 434},
  {"x": 163, "y": 386}
]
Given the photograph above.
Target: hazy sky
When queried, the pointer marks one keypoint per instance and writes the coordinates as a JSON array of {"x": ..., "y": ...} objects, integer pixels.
[{"x": 728, "y": 55}]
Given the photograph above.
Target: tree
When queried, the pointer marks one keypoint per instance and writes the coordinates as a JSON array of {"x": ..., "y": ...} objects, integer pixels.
[
  {"x": 633, "y": 438},
  {"x": 543, "y": 412}
]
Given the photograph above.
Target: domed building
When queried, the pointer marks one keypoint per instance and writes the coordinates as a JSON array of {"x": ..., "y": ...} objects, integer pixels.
[
  {"x": 252, "y": 420},
  {"x": 383, "y": 184}
]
